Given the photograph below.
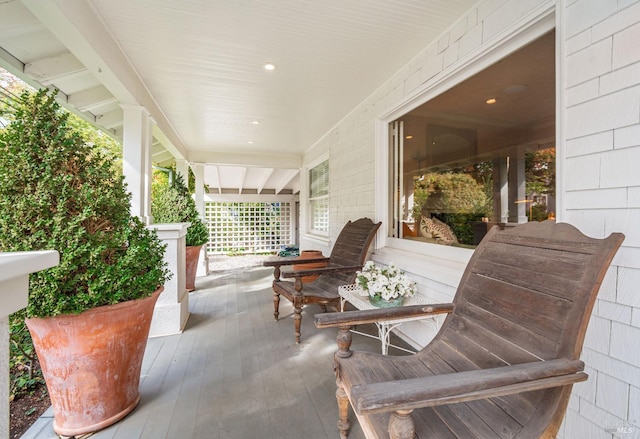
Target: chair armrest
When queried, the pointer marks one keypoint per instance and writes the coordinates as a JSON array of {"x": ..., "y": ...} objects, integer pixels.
[
  {"x": 290, "y": 260},
  {"x": 321, "y": 270},
  {"x": 457, "y": 387},
  {"x": 352, "y": 318}
]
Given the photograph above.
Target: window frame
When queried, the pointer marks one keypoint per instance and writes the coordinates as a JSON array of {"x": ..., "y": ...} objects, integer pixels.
[
  {"x": 502, "y": 46},
  {"x": 322, "y": 234}
]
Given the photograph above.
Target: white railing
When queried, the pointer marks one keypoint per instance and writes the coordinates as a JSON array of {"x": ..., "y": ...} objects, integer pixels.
[{"x": 14, "y": 292}]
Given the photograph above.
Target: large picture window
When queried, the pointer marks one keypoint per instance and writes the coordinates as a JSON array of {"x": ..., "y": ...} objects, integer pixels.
[
  {"x": 480, "y": 154},
  {"x": 319, "y": 199}
]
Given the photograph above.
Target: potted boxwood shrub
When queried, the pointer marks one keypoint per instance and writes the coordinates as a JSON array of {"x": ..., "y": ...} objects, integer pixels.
[
  {"x": 172, "y": 203},
  {"x": 89, "y": 317}
]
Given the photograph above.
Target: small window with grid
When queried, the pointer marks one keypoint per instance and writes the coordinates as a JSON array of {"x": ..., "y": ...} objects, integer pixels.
[{"x": 319, "y": 199}]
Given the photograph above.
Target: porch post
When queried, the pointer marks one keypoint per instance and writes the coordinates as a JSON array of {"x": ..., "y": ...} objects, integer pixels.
[
  {"x": 14, "y": 292},
  {"x": 136, "y": 152},
  {"x": 198, "y": 171},
  {"x": 500, "y": 190},
  {"x": 172, "y": 309},
  {"x": 517, "y": 188},
  {"x": 182, "y": 169}
]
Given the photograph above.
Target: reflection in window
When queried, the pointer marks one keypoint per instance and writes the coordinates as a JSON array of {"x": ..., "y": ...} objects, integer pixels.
[{"x": 463, "y": 162}]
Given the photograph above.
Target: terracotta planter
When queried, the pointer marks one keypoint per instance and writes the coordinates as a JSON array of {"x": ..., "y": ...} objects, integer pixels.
[
  {"x": 91, "y": 363},
  {"x": 193, "y": 254},
  {"x": 309, "y": 254}
]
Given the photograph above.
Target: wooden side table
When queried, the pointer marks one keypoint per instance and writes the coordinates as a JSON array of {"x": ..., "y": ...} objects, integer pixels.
[{"x": 360, "y": 299}]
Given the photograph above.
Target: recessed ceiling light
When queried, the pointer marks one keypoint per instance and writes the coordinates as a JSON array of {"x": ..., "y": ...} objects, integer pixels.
[
  {"x": 269, "y": 66},
  {"x": 250, "y": 142},
  {"x": 256, "y": 122},
  {"x": 408, "y": 137},
  {"x": 491, "y": 101}
]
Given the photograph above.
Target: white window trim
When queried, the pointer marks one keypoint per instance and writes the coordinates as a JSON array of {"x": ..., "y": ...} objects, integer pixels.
[
  {"x": 320, "y": 237},
  {"x": 515, "y": 36}
]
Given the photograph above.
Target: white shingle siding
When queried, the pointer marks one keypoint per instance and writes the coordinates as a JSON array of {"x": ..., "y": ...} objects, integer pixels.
[
  {"x": 584, "y": 14},
  {"x": 625, "y": 47},
  {"x": 614, "y": 311},
  {"x": 615, "y": 110},
  {"x": 598, "y": 160},
  {"x": 598, "y": 335},
  {"x": 629, "y": 290},
  {"x": 588, "y": 63},
  {"x": 583, "y": 92},
  {"x": 591, "y": 144},
  {"x": 624, "y": 343},
  {"x": 628, "y": 136}
]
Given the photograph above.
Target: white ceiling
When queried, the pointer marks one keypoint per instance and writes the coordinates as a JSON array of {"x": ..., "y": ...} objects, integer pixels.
[{"x": 197, "y": 67}]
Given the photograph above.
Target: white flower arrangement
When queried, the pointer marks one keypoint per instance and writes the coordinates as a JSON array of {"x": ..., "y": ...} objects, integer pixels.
[{"x": 388, "y": 283}]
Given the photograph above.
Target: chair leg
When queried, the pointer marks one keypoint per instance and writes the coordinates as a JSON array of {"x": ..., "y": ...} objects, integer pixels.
[
  {"x": 401, "y": 425},
  {"x": 297, "y": 319},
  {"x": 343, "y": 410},
  {"x": 276, "y": 305}
]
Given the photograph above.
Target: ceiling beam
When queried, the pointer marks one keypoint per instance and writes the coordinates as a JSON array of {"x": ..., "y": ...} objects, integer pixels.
[
  {"x": 217, "y": 182},
  {"x": 265, "y": 178},
  {"x": 76, "y": 25},
  {"x": 159, "y": 135},
  {"x": 243, "y": 179},
  {"x": 92, "y": 98},
  {"x": 12, "y": 64},
  {"x": 162, "y": 157},
  {"x": 157, "y": 148},
  {"x": 287, "y": 161},
  {"x": 286, "y": 180},
  {"x": 111, "y": 119},
  {"x": 48, "y": 70},
  {"x": 295, "y": 188}
]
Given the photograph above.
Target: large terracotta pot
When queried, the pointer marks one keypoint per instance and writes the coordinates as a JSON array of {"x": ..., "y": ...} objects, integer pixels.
[
  {"x": 309, "y": 254},
  {"x": 193, "y": 254},
  {"x": 91, "y": 363}
]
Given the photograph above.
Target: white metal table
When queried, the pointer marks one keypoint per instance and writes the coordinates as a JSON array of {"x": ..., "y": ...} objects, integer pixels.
[{"x": 360, "y": 299}]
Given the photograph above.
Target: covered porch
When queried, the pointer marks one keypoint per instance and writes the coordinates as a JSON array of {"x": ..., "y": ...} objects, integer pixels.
[{"x": 184, "y": 82}]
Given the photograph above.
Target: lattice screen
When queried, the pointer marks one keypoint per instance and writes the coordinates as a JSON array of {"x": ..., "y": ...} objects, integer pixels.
[{"x": 236, "y": 227}]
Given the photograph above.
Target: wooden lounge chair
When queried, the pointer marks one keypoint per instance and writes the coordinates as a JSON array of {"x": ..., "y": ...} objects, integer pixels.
[
  {"x": 348, "y": 256},
  {"x": 507, "y": 355}
]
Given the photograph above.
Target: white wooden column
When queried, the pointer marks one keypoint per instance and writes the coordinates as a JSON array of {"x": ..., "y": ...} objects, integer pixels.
[
  {"x": 14, "y": 292},
  {"x": 198, "y": 171},
  {"x": 182, "y": 169},
  {"x": 500, "y": 190},
  {"x": 172, "y": 309},
  {"x": 517, "y": 188},
  {"x": 136, "y": 146}
]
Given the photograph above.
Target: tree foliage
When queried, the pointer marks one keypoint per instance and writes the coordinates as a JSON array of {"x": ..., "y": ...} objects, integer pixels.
[
  {"x": 540, "y": 170},
  {"x": 171, "y": 202},
  {"x": 449, "y": 192},
  {"x": 59, "y": 192}
]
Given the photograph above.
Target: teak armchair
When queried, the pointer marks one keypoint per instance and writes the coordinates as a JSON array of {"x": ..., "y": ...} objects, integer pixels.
[
  {"x": 507, "y": 355},
  {"x": 347, "y": 257}
]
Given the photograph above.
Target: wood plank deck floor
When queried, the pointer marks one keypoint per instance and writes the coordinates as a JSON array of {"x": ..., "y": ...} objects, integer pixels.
[{"x": 234, "y": 373}]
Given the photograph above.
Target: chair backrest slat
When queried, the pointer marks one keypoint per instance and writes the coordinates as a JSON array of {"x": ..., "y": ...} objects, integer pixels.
[
  {"x": 528, "y": 292},
  {"x": 351, "y": 248}
]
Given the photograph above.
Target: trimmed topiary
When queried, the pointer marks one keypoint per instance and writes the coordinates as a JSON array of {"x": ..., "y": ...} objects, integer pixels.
[
  {"x": 172, "y": 203},
  {"x": 58, "y": 192}
]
